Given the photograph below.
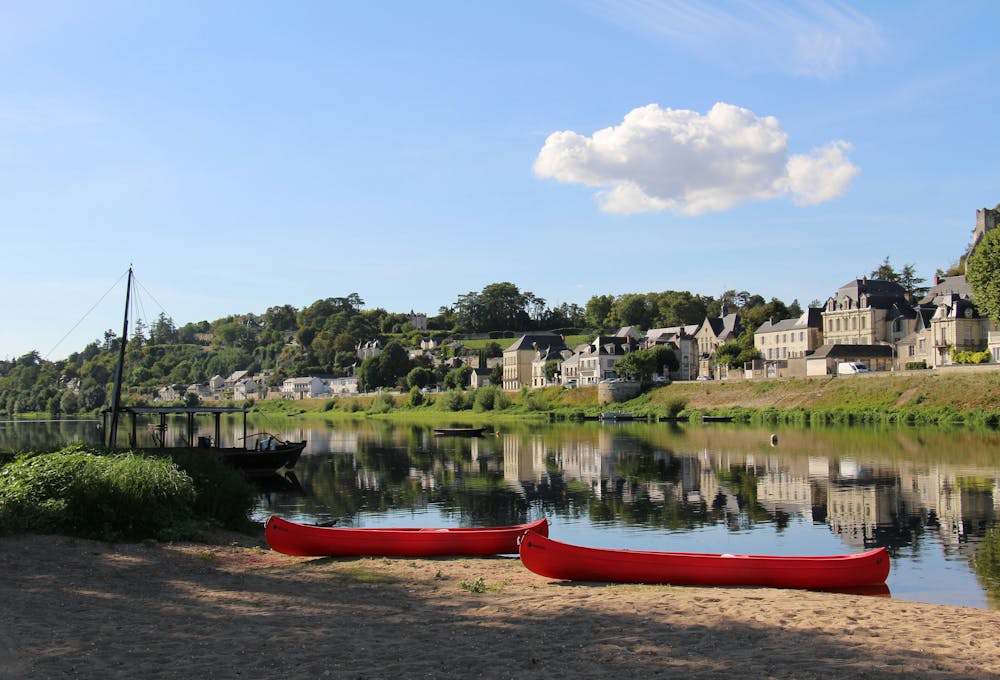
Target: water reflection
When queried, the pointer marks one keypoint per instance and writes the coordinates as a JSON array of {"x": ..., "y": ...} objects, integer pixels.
[{"x": 929, "y": 496}]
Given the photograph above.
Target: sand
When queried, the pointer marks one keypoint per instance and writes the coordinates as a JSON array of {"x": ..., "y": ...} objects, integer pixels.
[{"x": 73, "y": 608}]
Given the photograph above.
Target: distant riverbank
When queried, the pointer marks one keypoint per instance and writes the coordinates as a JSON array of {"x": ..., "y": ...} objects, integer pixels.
[{"x": 961, "y": 396}]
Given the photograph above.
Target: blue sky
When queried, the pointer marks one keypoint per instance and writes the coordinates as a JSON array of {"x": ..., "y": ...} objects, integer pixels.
[{"x": 251, "y": 154}]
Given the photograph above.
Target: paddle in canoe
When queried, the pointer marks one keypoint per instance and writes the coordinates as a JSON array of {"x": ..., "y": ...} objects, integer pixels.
[
  {"x": 291, "y": 538},
  {"x": 556, "y": 560}
]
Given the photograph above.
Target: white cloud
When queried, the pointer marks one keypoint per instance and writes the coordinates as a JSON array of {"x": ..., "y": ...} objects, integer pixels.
[
  {"x": 823, "y": 175},
  {"x": 665, "y": 159}
]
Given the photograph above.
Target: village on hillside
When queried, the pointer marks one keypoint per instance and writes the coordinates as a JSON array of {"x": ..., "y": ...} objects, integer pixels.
[{"x": 867, "y": 325}]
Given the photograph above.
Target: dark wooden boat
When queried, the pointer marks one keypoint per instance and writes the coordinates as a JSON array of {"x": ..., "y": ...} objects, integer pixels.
[
  {"x": 459, "y": 431},
  {"x": 292, "y": 538},
  {"x": 553, "y": 559},
  {"x": 616, "y": 416},
  {"x": 267, "y": 455}
]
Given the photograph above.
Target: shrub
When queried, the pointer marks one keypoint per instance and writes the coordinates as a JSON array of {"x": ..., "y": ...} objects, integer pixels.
[
  {"x": 223, "y": 497},
  {"x": 916, "y": 365},
  {"x": 453, "y": 400},
  {"x": 970, "y": 357},
  {"x": 490, "y": 398},
  {"x": 382, "y": 403},
  {"x": 80, "y": 493},
  {"x": 675, "y": 406},
  {"x": 416, "y": 397}
]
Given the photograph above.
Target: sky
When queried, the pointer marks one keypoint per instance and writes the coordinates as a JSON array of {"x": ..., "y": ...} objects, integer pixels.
[{"x": 244, "y": 155}]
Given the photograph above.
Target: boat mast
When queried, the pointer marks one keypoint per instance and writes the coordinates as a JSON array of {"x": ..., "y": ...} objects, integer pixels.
[{"x": 116, "y": 396}]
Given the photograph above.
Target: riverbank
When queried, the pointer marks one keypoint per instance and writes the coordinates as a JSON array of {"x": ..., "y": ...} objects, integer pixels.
[
  {"x": 969, "y": 396},
  {"x": 77, "y": 608}
]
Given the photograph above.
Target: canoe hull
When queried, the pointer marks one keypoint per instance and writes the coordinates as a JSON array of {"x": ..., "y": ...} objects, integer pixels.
[
  {"x": 556, "y": 560},
  {"x": 291, "y": 538}
]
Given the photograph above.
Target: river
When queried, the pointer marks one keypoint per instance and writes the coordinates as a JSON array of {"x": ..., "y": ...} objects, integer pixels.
[{"x": 931, "y": 497}]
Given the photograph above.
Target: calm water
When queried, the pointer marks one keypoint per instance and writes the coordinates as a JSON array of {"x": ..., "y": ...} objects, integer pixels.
[{"x": 930, "y": 497}]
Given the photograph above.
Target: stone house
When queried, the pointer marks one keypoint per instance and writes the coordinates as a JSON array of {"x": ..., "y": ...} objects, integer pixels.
[
  {"x": 868, "y": 312},
  {"x": 518, "y": 358},
  {"x": 596, "y": 361},
  {"x": 682, "y": 340},
  {"x": 711, "y": 334},
  {"x": 303, "y": 388},
  {"x": 480, "y": 377},
  {"x": 790, "y": 338},
  {"x": 369, "y": 349}
]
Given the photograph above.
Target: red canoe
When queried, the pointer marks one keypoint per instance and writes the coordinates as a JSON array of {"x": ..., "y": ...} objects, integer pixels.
[
  {"x": 303, "y": 539},
  {"x": 558, "y": 560}
]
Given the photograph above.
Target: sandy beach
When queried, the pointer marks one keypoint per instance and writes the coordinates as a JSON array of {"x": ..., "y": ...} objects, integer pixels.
[{"x": 73, "y": 608}]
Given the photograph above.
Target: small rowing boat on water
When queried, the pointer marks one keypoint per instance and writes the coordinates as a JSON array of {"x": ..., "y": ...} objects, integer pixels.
[
  {"x": 553, "y": 559},
  {"x": 291, "y": 538},
  {"x": 458, "y": 431}
]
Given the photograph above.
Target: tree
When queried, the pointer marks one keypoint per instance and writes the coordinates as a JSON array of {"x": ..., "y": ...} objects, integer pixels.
[
  {"x": 983, "y": 274},
  {"x": 907, "y": 278},
  {"x": 665, "y": 359},
  {"x": 737, "y": 352},
  {"x": 459, "y": 378},
  {"x": 420, "y": 377},
  {"x": 640, "y": 363},
  {"x": 500, "y": 306},
  {"x": 910, "y": 282},
  {"x": 598, "y": 308},
  {"x": 496, "y": 375}
]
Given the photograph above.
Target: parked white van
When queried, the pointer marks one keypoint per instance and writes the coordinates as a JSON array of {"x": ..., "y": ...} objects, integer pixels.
[{"x": 851, "y": 367}]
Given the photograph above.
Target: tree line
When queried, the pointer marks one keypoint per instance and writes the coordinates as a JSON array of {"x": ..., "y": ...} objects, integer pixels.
[{"x": 323, "y": 338}]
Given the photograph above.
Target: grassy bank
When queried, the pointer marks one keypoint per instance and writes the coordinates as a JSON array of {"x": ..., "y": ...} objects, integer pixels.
[{"x": 924, "y": 397}]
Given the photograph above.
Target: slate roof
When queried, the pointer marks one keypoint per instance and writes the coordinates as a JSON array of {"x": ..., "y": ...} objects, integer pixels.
[
  {"x": 542, "y": 340},
  {"x": 949, "y": 285},
  {"x": 853, "y": 351}
]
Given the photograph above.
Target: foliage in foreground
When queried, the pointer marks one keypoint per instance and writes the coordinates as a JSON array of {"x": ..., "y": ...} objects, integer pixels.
[{"x": 124, "y": 496}]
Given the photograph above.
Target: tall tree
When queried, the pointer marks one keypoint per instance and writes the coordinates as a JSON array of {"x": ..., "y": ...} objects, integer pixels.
[{"x": 984, "y": 274}]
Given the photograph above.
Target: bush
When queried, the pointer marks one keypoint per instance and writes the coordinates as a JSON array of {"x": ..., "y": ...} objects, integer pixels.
[
  {"x": 916, "y": 365},
  {"x": 453, "y": 400},
  {"x": 416, "y": 397},
  {"x": 83, "y": 492},
  {"x": 223, "y": 497},
  {"x": 970, "y": 357},
  {"x": 490, "y": 398},
  {"x": 675, "y": 406},
  {"x": 382, "y": 403},
  {"x": 79, "y": 493}
]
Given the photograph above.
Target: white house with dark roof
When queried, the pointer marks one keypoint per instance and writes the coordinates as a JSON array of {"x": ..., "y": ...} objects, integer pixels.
[
  {"x": 596, "y": 361},
  {"x": 790, "y": 338}
]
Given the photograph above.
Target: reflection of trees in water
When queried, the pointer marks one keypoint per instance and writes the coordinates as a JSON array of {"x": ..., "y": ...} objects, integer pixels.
[
  {"x": 665, "y": 477},
  {"x": 987, "y": 563},
  {"x": 47, "y": 435}
]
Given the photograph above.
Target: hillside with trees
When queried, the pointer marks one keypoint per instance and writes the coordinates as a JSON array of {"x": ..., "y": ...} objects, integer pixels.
[{"x": 323, "y": 339}]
